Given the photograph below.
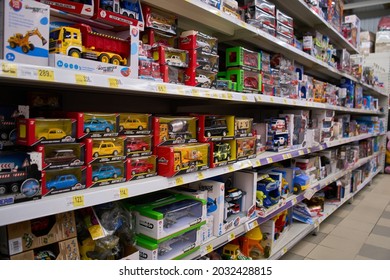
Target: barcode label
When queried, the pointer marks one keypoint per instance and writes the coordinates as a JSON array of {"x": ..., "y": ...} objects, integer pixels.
[{"x": 15, "y": 246}]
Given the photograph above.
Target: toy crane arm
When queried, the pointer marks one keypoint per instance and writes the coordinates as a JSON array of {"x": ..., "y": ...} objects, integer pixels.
[{"x": 36, "y": 32}]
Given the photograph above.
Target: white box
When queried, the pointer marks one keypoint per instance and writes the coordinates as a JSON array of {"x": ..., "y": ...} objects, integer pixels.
[{"x": 25, "y": 32}]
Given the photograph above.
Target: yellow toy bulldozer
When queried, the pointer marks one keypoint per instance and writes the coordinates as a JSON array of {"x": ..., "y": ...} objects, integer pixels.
[{"x": 24, "y": 41}]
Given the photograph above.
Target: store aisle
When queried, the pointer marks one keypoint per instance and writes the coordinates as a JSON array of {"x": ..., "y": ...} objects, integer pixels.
[{"x": 360, "y": 229}]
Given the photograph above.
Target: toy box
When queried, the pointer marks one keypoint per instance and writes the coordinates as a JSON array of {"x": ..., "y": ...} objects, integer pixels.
[
  {"x": 222, "y": 153},
  {"x": 8, "y": 117},
  {"x": 159, "y": 20},
  {"x": 61, "y": 155},
  {"x": 265, "y": 6},
  {"x": 277, "y": 135},
  {"x": 142, "y": 167},
  {"x": 260, "y": 18},
  {"x": 246, "y": 147},
  {"x": 132, "y": 123},
  {"x": 175, "y": 248},
  {"x": 247, "y": 81},
  {"x": 86, "y": 65},
  {"x": 94, "y": 125},
  {"x": 21, "y": 237},
  {"x": 203, "y": 61},
  {"x": 244, "y": 58},
  {"x": 181, "y": 159},
  {"x": 83, "y": 8},
  {"x": 215, "y": 202},
  {"x": 139, "y": 145},
  {"x": 172, "y": 74},
  {"x": 119, "y": 13},
  {"x": 174, "y": 130},
  {"x": 20, "y": 176},
  {"x": 105, "y": 149},
  {"x": 167, "y": 216},
  {"x": 103, "y": 174},
  {"x": 170, "y": 56},
  {"x": 200, "y": 78},
  {"x": 44, "y": 131},
  {"x": 55, "y": 181},
  {"x": 243, "y": 127},
  {"x": 284, "y": 19},
  {"x": 215, "y": 127},
  {"x": 354, "y": 35},
  {"x": 195, "y": 40},
  {"x": 154, "y": 37},
  {"x": 24, "y": 34}
]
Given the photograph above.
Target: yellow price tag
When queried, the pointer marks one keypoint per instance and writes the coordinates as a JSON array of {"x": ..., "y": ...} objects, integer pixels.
[
  {"x": 285, "y": 156},
  {"x": 284, "y": 250},
  {"x": 301, "y": 153},
  {"x": 78, "y": 200},
  {"x": 294, "y": 102},
  {"x": 294, "y": 200},
  {"x": 96, "y": 231},
  {"x": 285, "y": 101},
  {"x": 230, "y": 96},
  {"x": 207, "y": 94},
  {"x": 123, "y": 192},
  {"x": 81, "y": 79},
  {"x": 244, "y": 98},
  {"x": 215, "y": 95},
  {"x": 180, "y": 90},
  {"x": 195, "y": 92},
  {"x": 223, "y": 96},
  {"x": 271, "y": 99},
  {"x": 9, "y": 69},
  {"x": 162, "y": 88},
  {"x": 200, "y": 175},
  {"x": 244, "y": 24},
  {"x": 114, "y": 83},
  {"x": 231, "y": 168},
  {"x": 270, "y": 160},
  {"x": 258, "y": 163},
  {"x": 231, "y": 236},
  {"x": 179, "y": 181},
  {"x": 209, "y": 248},
  {"x": 45, "y": 75},
  {"x": 259, "y": 98},
  {"x": 254, "y": 224}
]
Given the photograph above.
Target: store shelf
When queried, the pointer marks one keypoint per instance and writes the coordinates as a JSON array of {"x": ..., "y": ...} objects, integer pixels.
[
  {"x": 299, "y": 230},
  {"x": 299, "y": 10}
]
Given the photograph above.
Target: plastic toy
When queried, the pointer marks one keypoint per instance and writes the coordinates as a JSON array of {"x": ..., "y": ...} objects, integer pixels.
[
  {"x": 134, "y": 124},
  {"x": 140, "y": 166},
  {"x": 88, "y": 44},
  {"x": 232, "y": 252},
  {"x": 301, "y": 181},
  {"x": 106, "y": 148},
  {"x": 251, "y": 244},
  {"x": 222, "y": 152},
  {"x": 62, "y": 182},
  {"x": 98, "y": 124},
  {"x": 52, "y": 134},
  {"x": 106, "y": 172},
  {"x": 215, "y": 126},
  {"x": 271, "y": 191},
  {"x": 62, "y": 156},
  {"x": 18, "y": 40}
]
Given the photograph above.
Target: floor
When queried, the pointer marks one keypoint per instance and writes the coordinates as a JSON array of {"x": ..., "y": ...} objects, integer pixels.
[{"x": 358, "y": 230}]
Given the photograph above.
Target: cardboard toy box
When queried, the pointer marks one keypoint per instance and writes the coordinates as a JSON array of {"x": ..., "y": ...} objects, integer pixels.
[
  {"x": 24, "y": 32},
  {"x": 21, "y": 237}
]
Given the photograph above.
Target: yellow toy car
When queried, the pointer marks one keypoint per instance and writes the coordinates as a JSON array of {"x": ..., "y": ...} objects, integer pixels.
[
  {"x": 105, "y": 148},
  {"x": 52, "y": 134}
]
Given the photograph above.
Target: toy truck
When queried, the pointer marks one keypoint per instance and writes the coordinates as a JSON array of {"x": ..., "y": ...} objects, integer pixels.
[
  {"x": 80, "y": 41},
  {"x": 187, "y": 159},
  {"x": 215, "y": 126},
  {"x": 127, "y": 8},
  {"x": 176, "y": 129}
]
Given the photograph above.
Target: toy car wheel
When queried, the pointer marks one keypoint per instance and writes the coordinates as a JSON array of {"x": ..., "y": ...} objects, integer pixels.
[
  {"x": 115, "y": 153},
  {"x": 25, "y": 49},
  {"x": 148, "y": 170},
  {"x": 104, "y": 58},
  {"x": 133, "y": 172},
  {"x": 115, "y": 175},
  {"x": 116, "y": 60},
  {"x": 87, "y": 130},
  {"x": 215, "y": 160},
  {"x": 3, "y": 189},
  {"x": 4, "y": 136},
  {"x": 208, "y": 134},
  {"x": 224, "y": 133},
  {"x": 12, "y": 45},
  {"x": 144, "y": 148},
  {"x": 140, "y": 127},
  {"x": 75, "y": 53},
  {"x": 297, "y": 188},
  {"x": 14, "y": 188},
  {"x": 95, "y": 179},
  {"x": 95, "y": 155}
]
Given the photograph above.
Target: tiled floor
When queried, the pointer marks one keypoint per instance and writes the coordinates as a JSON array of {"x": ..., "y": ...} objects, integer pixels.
[{"x": 359, "y": 229}]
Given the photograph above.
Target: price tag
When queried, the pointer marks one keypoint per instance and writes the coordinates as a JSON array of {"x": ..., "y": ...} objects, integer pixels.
[
  {"x": 180, "y": 90},
  {"x": 258, "y": 163},
  {"x": 45, "y": 75},
  {"x": 258, "y": 98},
  {"x": 207, "y": 94},
  {"x": 231, "y": 168},
  {"x": 195, "y": 92},
  {"x": 162, "y": 88},
  {"x": 209, "y": 248},
  {"x": 114, "y": 83},
  {"x": 284, "y": 250},
  {"x": 294, "y": 102},
  {"x": 123, "y": 192},
  {"x": 294, "y": 200},
  {"x": 270, "y": 160},
  {"x": 309, "y": 193},
  {"x": 200, "y": 176},
  {"x": 215, "y": 95},
  {"x": 96, "y": 231},
  {"x": 244, "y": 24},
  {"x": 252, "y": 225},
  {"x": 271, "y": 99},
  {"x": 285, "y": 156},
  {"x": 179, "y": 181},
  {"x": 223, "y": 96},
  {"x": 316, "y": 223},
  {"x": 244, "y": 98},
  {"x": 9, "y": 69},
  {"x": 231, "y": 236},
  {"x": 301, "y": 152},
  {"x": 285, "y": 101},
  {"x": 78, "y": 200},
  {"x": 230, "y": 96},
  {"x": 82, "y": 79}
]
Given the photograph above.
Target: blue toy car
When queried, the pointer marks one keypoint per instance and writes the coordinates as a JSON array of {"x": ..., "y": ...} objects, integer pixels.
[
  {"x": 96, "y": 125},
  {"x": 62, "y": 182},
  {"x": 106, "y": 172}
]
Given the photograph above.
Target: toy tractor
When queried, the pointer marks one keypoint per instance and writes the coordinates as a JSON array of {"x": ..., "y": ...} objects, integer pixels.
[{"x": 24, "y": 41}]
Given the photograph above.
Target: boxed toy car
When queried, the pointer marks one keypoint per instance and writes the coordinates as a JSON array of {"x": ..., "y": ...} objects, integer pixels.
[
  {"x": 168, "y": 216},
  {"x": 260, "y": 18},
  {"x": 20, "y": 176},
  {"x": 139, "y": 145},
  {"x": 24, "y": 32},
  {"x": 215, "y": 202},
  {"x": 200, "y": 78},
  {"x": 169, "y": 130},
  {"x": 173, "y": 74},
  {"x": 102, "y": 174},
  {"x": 155, "y": 37},
  {"x": 222, "y": 153},
  {"x": 181, "y": 159},
  {"x": 244, "y": 58},
  {"x": 265, "y": 6},
  {"x": 105, "y": 149},
  {"x": 132, "y": 123},
  {"x": 55, "y": 181},
  {"x": 195, "y": 40},
  {"x": 8, "y": 117},
  {"x": 94, "y": 125},
  {"x": 170, "y": 56},
  {"x": 142, "y": 167},
  {"x": 61, "y": 155},
  {"x": 45, "y": 131},
  {"x": 174, "y": 248},
  {"x": 247, "y": 81},
  {"x": 23, "y": 236},
  {"x": 84, "y": 8},
  {"x": 215, "y": 127},
  {"x": 203, "y": 61},
  {"x": 246, "y": 147},
  {"x": 159, "y": 20}
]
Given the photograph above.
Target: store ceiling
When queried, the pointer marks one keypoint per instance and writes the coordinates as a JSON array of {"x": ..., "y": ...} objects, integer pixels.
[{"x": 365, "y": 9}]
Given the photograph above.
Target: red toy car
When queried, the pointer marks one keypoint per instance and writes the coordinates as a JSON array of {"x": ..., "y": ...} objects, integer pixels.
[
  {"x": 141, "y": 166},
  {"x": 136, "y": 145}
]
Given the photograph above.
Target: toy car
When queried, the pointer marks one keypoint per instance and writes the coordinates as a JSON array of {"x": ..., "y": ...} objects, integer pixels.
[
  {"x": 279, "y": 141},
  {"x": 222, "y": 152},
  {"x": 106, "y": 172},
  {"x": 97, "y": 124},
  {"x": 62, "y": 182},
  {"x": 301, "y": 181},
  {"x": 141, "y": 166},
  {"x": 233, "y": 194},
  {"x": 52, "y": 134},
  {"x": 61, "y": 156},
  {"x": 130, "y": 123},
  {"x": 136, "y": 145},
  {"x": 105, "y": 148},
  {"x": 202, "y": 79},
  {"x": 174, "y": 60},
  {"x": 251, "y": 82}
]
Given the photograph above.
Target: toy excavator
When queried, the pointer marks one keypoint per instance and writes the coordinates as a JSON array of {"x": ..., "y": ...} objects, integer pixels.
[{"x": 24, "y": 41}]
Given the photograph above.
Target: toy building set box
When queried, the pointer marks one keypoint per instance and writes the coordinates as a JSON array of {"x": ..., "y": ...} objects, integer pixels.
[{"x": 24, "y": 32}]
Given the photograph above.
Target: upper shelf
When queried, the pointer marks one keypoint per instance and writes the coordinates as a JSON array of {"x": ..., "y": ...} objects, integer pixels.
[{"x": 300, "y": 11}]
